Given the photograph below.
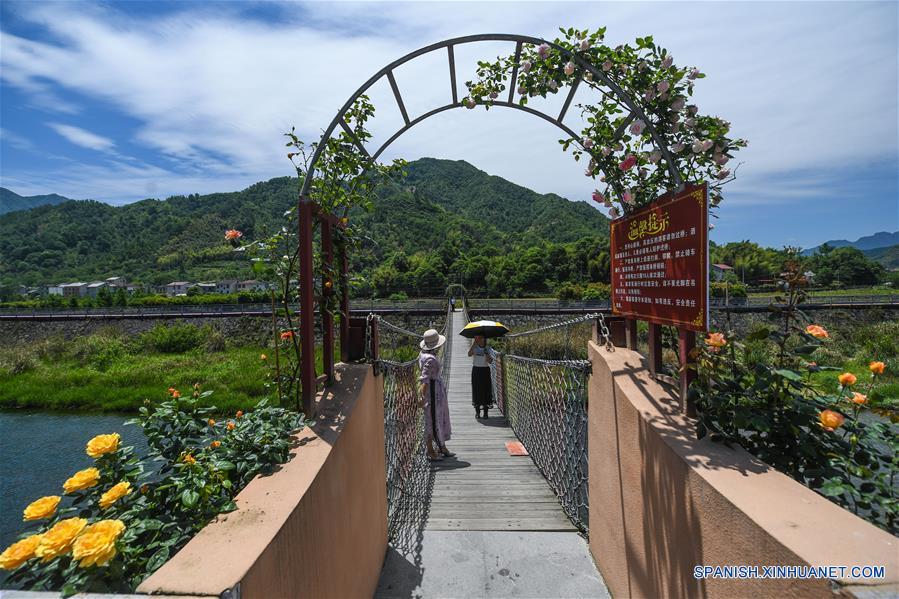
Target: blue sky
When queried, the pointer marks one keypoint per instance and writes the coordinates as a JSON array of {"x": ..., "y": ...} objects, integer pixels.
[{"x": 123, "y": 101}]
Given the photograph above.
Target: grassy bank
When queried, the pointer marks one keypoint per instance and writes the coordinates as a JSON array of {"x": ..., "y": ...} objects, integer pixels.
[{"x": 109, "y": 371}]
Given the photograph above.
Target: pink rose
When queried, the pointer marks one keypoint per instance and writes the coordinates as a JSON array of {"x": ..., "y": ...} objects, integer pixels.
[
  {"x": 694, "y": 74},
  {"x": 628, "y": 197},
  {"x": 613, "y": 213},
  {"x": 678, "y": 147},
  {"x": 522, "y": 90},
  {"x": 667, "y": 62},
  {"x": 597, "y": 197},
  {"x": 723, "y": 173},
  {"x": 721, "y": 159},
  {"x": 662, "y": 86},
  {"x": 608, "y": 204},
  {"x": 697, "y": 146},
  {"x": 675, "y": 127},
  {"x": 655, "y": 157},
  {"x": 693, "y": 109},
  {"x": 585, "y": 45},
  {"x": 607, "y": 66},
  {"x": 628, "y": 163},
  {"x": 690, "y": 123},
  {"x": 493, "y": 95},
  {"x": 678, "y": 104},
  {"x": 553, "y": 85},
  {"x": 587, "y": 142},
  {"x": 649, "y": 94},
  {"x": 569, "y": 68},
  {"x": 470, "y": 103},
  {"x": 637, "y": 127},
  {"x": 707, "y": 145},
  {"x": 543, "y": 50},
  {"x": 526, "y": 66},
  {"x": 606, "y": 151}
]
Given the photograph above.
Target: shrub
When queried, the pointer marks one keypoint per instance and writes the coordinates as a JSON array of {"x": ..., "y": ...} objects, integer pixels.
[
  {"x": 174, "y": 339},
  {"x": 97, "y": 352},
  {"x": 400, "y": 296},
  {"x": 597, "y": 291},
  {"x": 143, "y": 511},
  {"x": 828, "y": 441},
  {"x": 18, "y": 359},
  {"x": 719, "y": 289},
  {"x": 569, "y": 291},
  {"x": 215, "y": 341}
]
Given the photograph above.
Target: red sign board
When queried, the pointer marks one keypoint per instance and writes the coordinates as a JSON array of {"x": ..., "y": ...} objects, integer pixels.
[{"x": 660, "y": 261}]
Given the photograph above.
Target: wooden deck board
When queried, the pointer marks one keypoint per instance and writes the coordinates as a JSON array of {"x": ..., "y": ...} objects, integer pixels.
[{"x": 483, "y": 487}]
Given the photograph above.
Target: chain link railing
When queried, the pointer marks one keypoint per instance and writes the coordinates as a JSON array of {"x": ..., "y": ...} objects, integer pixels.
[
  {"x": 410, "y": 478},
  {"x": 545, "y": 402}
]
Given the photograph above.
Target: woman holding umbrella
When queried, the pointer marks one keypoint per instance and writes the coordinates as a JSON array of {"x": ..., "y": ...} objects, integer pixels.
[
  {"x": 482, "y": 357},
  {"x": 433, "y": 394}
]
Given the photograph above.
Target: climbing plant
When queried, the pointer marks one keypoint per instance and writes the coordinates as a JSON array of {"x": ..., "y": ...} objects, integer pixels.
[
  {"x": 344, "y": 178},
  {"x": 643, "y": 114}
]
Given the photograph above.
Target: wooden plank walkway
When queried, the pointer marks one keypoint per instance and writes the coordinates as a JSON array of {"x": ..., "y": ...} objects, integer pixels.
[{"x": 483, "y": 487}]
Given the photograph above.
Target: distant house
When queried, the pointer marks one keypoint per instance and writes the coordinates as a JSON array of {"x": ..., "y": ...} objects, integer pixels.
[
  {"x": 54, "y": 289},
  {"x": 177, "y": 288},
  {"x": 719, "y": 271},
  {"x": 226, "y": 286},
  {"x": 93, "y": 289},
  {"x": 206, "y": 287},
  {"x": 251, "y": 285},
  {"x": 116, "y": 281},
  {"x": 74, "y": 289}
]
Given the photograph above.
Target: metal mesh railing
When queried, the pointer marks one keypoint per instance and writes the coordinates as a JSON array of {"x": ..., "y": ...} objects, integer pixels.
[
  {"x": 545, "y": 402},
  {"x": 409, "y": 475}
]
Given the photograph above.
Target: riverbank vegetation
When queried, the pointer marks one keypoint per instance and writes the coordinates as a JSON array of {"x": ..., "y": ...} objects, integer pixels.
[{"x": 109, "y": 371}]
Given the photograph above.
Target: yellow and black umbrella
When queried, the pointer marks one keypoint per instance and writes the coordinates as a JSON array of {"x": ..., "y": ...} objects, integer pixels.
[{"x": 484, "y": 328}]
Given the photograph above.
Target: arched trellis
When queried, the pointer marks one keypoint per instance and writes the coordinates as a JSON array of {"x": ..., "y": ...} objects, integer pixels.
[{"x": 307, "y": 210}]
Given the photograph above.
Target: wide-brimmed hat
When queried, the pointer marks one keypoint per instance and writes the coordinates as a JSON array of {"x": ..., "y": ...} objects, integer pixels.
[{"x": 432, "y": 339}]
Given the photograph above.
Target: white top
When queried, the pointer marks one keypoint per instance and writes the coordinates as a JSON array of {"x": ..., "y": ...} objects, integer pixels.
[{"x": 480, "y": 356}]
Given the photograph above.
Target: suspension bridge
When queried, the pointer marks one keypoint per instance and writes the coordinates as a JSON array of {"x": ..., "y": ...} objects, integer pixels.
[{"x": 486, "y": 522}]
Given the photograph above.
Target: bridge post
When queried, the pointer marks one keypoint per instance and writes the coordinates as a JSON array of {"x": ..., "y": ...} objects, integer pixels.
[
  {"x": 307, "y": 305},
  {"x": 327, "y": 291},
  {"x": 630, "y": 331},
  {"x": 344, "y": 301},
  {"x": 655, "y": 348}
]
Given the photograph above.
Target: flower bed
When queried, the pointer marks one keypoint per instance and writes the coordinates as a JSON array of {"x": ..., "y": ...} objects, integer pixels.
[
  {"x": 121, "y": 519},
  {"x": 840, "y": 439}
]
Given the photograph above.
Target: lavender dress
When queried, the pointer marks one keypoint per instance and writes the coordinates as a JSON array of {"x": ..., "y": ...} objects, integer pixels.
[{"x": 439, "y": 408}]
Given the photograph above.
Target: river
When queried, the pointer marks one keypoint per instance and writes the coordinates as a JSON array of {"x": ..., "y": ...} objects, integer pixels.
[{"x": 40, "y": 450}]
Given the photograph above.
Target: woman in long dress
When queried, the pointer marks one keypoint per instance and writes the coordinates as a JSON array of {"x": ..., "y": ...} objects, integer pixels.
[
  {"x": 433, "y": 393},
  {"x": 481, "y": 382}
]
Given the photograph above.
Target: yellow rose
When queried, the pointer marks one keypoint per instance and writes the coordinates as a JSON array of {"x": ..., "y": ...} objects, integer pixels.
[
  {"x": 831, "y": 420},
  {"x": 847, "y": 379},
  {"x": 877, "y": 367},
  {"x": 41, "y": 508},
  {"x": 18, "y": 553},
  {"x": 58, "y": 540},
  {"x": 103, "y": 444},
  {"x": 82, "y": 480},
  {"x": 817, "y": 331},
  {"x": 96, "y": 545},
  {"x": 114, "y": 494}
]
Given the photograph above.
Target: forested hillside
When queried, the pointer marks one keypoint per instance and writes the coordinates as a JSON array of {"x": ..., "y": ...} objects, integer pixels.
[
  {"x": 446, "y": 219},
  {"x": 11, "y": 201}
]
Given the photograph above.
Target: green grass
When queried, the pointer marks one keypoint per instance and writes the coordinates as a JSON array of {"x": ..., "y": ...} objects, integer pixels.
[{"x": 236, "y": 375}]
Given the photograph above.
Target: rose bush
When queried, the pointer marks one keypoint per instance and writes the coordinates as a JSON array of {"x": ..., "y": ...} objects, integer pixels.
[
  {"x": 129, "y": 514},
  {"x": 758, "y": 392},
  {"x": 632, "y": 144}
]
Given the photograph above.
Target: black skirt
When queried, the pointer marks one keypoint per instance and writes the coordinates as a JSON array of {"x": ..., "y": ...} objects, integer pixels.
[{"x": 481, "y": 387}]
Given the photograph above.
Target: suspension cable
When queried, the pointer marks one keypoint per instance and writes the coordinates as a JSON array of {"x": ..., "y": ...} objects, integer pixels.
[{"x": 598, "y": 316}]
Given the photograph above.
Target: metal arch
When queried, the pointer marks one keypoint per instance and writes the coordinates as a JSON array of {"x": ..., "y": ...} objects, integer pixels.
[{"x": 493, "y": 37}]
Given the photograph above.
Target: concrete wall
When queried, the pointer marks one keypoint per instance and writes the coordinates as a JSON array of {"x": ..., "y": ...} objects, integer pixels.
[
  {"x": 317, "y": 527},
  {"x": 662, "y": 502}
]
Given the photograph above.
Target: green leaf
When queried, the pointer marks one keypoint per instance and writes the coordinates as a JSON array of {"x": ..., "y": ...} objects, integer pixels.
[
  {"x": 788, "y": 374},
  {"x": 189, "y": 498}
]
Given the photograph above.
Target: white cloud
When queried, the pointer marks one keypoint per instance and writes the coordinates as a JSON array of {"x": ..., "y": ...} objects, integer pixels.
[
  {"x": 811, "y": 85},
  {"x": 82, "y": 137}
]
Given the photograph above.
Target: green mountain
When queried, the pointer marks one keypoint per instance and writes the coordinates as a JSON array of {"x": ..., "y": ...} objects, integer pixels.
[
  {"x": 11, "y": 201},
  {"x": 444, "y": 220},
  {"x": 870, "y": 242},
  {"x": 888, "y": 256}
]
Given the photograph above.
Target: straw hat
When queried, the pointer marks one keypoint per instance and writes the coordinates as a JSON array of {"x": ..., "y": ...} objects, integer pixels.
[{"x": 432, "y": 340}]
